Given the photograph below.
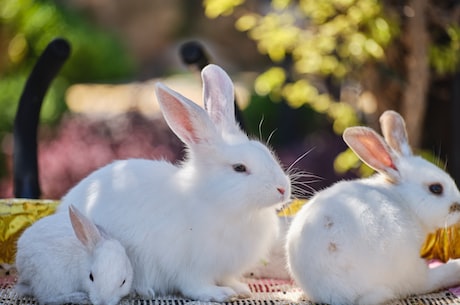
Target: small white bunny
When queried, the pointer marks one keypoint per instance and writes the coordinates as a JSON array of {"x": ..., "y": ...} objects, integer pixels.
[
  {"x": 192, "y": 228},
  {"x": 358, "y": 242},
  {"x": 61, "y": 261}
]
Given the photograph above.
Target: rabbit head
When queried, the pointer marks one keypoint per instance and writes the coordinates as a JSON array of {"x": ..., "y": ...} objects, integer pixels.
[
  {"x": 429, "y": 192},
  {"x": 109, "y": 273},
  {"x": 221, "y": 159}
]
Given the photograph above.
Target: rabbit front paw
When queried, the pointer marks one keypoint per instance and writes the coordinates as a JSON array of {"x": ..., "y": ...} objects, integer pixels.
[
  {"x": 242, "y": 289},
  {"x": 211, "y": 293}
]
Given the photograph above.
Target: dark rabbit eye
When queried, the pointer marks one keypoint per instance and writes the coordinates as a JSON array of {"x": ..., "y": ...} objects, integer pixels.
[
  {"x": 124, "y": 281},
  {"x": 436, "y": 188},
  {"x": 91, "y": 277},
  {"x": 240, "y": 168}
]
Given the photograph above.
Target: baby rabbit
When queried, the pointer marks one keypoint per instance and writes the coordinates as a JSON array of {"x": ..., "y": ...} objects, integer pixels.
[
  {"x": 71, "y": 262},
  {"x": 192, "y": 228},
  {"x": 358, "y": 242}
]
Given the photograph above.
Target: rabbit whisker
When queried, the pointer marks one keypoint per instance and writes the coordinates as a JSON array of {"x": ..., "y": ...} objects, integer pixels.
[
  {"x": 300, "y": 192},
  {"x": 260, "y": 126},
  {"x": 438, "y": 161},
  {"x": 299, "y": 158},
  {"x": 445, "y": 163},
  {"x": 301, "y": 182},
  {"x": 271, "y": 135},
  {"x": 267, "y": 142},
  {"x": 303, "y": 174}
]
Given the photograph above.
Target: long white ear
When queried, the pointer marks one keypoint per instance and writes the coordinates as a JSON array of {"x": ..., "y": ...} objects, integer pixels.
[
  {"x": 218, "y": 96},
  {"x": 372, "y": 150},
  {"x": 85, "y": 230},
  {"x": 395, "y": 133},
  {"x": 186, "y": 119}
]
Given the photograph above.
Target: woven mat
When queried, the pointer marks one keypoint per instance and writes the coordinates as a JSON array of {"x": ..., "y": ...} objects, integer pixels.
[{"x": 266, "y": 292}]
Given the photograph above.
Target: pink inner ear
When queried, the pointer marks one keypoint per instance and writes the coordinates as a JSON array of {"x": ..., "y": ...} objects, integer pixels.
[
  {"x": 179, "y": 118},
  {"x": 186, "y": 124},
  {"x": 77, "y": 221},
  {"x": 377, "y": 151}
]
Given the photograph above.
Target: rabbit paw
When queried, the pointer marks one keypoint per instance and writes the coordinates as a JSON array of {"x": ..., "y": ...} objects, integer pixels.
[
  {"x": 211, "y": 293},
  {"x": 240, "y": 288},
  {"x": 71, "y": 298},
  {"x": 23, "y": 289},
  {"x": 376, "y": 296},
  {"x": 147, "y": 293}
]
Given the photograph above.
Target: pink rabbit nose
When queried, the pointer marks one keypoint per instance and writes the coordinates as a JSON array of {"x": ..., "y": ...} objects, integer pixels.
[{"x": 281, "y": 190}]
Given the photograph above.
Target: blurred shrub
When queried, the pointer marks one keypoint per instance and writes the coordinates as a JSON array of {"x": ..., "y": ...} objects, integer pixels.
[
  {"x": 276, "y": 122},
  {"x": 26, "y": 27},
  {"x": 329, "y": 38},
  {"x": 330, "y": 43},
  {"x": 445, "y": 53}
]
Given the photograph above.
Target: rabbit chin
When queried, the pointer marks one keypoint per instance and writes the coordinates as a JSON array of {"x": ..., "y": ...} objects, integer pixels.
[
  {"x": 113, "y": 300},
  {"x": 107, "y": 297}
]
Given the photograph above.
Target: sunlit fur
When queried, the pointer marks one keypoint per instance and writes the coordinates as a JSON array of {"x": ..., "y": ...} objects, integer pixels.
[
  {"x": 195, "y": 227},
  {"x": 358, "y": 242},
  {"x": 54, "y": 266}
]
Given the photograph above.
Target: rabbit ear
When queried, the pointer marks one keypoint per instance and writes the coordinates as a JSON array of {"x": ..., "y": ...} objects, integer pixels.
[
  {"x": 85, "y": 230},
  {"x": 394, "y": 131},
  {"x": 218, "y": 96},
  {"x": 188, "y": 120},
  {"x": 372, "y": 150}
]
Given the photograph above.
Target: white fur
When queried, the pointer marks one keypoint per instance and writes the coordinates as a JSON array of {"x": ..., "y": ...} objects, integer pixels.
[
  {"x": 358, "y": 242},
  {"x": 192, "y": 228},
  {"x": 55, "y": 258},
  {"x": 274, "y": 265}
]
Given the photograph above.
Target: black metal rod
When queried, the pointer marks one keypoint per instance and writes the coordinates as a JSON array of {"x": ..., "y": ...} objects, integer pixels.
[
  {"x": 26, "y": 184},
  {"x": 194, "y": 56},
  {"x": 455, "y": 151}
]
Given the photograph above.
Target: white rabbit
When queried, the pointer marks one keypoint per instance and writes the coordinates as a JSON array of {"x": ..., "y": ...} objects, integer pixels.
[
  {"x": 358, "y": 242},
  {"x": 274, "y": 266},
  {"x": 192, "y": 228},
  {"x": 61, "y": 261}
]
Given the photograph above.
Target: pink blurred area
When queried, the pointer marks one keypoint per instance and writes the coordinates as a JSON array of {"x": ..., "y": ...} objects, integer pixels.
[{"x": 82, "y": 144}]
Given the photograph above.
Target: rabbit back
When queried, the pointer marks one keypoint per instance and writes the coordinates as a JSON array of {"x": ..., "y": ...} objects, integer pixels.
[
  {"x": 194, "y": 227},
  {"x": 355, "y": 241},
  {"x": 352, "y": 233},
  {"x": 164, "y": 234}
]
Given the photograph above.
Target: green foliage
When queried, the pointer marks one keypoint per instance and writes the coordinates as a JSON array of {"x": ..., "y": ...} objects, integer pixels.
[
  {"x": 27, "y": 26},
  {"x": 348, "y": 160},
  {"x": 221, "y": 7},
  {"x": 445, "y": 57},
  {"x": 266, "y": 118},
  {"x": 328, "y": 38}
]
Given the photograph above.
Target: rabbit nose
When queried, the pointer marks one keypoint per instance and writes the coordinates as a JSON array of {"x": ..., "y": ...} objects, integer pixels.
[
  {"x": 455, "y": 207},
  {"x": 281, "y": 190}
]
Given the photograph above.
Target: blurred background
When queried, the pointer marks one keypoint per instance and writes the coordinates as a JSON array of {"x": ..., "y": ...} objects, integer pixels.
[{"x": 304, "y": 71}]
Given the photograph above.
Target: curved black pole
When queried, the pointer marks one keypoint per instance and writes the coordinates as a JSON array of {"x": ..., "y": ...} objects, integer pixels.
[
  {"x": 193, "y": 55},
  {"x": 26, "y": 184}
]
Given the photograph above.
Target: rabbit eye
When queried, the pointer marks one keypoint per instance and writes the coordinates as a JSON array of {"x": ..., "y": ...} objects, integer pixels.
[
  {"x": 124, "y": 281},
  {"x": 436, "y": 188},
  {"x": 239, "y": 168},
  {"x": 91, "y": 277}
]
